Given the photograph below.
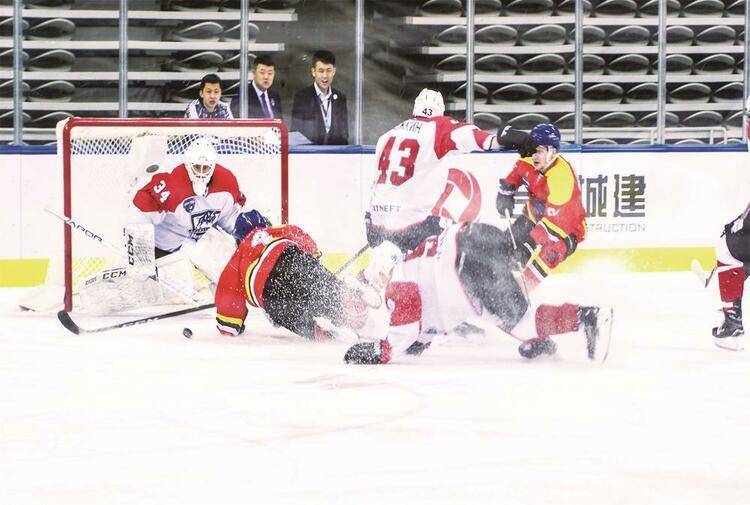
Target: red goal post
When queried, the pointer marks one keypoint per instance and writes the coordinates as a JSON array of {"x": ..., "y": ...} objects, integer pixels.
[{"x": 104, "y": 161}]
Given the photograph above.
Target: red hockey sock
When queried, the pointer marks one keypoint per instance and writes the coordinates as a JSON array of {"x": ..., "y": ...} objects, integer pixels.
[
  {"x": 731, "y": 282},
  {"x": 405, "y": 302},
  {"x": 556, "y": 319}
]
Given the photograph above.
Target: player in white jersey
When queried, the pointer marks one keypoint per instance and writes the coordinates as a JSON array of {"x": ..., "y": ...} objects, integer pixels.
[
  {"x": 416, "y": 190},
  {"x": 463, "y": 273}
]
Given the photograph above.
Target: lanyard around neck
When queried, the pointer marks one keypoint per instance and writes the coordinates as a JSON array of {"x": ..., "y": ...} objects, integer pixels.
[{"x": 325, "y": 105}]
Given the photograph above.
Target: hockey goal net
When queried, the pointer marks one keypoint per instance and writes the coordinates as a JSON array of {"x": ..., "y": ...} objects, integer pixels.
[{"x": 104, "y": 161}]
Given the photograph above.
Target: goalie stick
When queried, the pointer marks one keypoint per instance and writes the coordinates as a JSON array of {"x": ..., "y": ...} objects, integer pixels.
[
  {"x": 87, "y": 232},
  {"x": 71, "y": 326},
  {"x": 701, "y": 274}
]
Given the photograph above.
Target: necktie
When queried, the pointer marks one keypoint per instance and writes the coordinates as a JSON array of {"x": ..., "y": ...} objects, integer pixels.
[{"x": 266, "y": 111}]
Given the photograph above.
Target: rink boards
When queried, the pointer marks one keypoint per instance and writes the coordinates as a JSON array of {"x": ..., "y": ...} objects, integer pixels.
[{"x": 647, "y": 211}]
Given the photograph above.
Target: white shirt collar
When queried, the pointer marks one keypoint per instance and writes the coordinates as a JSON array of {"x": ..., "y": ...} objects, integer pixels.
[
  {"x": 320, "y": 93},
  {"x": 257, "y": 90}
]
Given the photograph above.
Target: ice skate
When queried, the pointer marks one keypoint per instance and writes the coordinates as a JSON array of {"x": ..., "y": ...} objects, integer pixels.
[
  {"x": 369, "y": 353},
  {"x": 597, "y": 326},
  {"x": 535, "y": 347},
  {"x": 465, "y": 329},
  {"x": 417, "y": 348},
  {"x": 728, "y": 335}
]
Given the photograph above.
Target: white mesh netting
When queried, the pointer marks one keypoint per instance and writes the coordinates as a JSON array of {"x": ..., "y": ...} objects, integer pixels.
[{"x": 110, "y": 162}]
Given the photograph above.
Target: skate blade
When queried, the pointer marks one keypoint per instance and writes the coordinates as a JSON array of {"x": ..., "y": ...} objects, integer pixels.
[
  {"x": 730, "y": 343},
  {"x": 606, "y": 318}
]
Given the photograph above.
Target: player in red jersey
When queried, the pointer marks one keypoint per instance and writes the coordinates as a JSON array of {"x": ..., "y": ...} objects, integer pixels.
[
  {"x": 276, "y": 269},
  {"x": 417, "y": 191},
  {"x": 553, "y": 221}
]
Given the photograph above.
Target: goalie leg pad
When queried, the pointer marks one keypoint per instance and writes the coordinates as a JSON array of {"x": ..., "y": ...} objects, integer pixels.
[
  {"x": 177, "y": 270},
  {"x": 211, "y": 253},
  {"x": 114, "y": 290},
  {"x": 140, "y": 246}
]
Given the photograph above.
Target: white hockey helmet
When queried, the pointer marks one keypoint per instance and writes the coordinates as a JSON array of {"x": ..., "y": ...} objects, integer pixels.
[
  {"x": 200, "y": 161},
  {"x": 429, "y": 103}
]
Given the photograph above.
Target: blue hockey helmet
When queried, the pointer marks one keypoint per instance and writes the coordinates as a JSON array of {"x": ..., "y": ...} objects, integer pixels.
[
  {"x": 545, "y": 134},
  {"x": 247, "y": 222}
]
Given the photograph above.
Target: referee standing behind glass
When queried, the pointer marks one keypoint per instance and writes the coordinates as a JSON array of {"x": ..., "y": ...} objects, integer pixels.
[{"x": 319, "y": 110}]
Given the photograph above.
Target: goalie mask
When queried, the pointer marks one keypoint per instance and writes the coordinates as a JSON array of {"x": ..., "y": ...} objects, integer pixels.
[
  {"x": 429, "y": 103},
  {"x": 200, "y": 161}
]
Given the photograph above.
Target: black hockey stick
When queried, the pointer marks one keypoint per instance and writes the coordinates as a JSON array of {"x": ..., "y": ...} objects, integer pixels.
[
  {"x": 352, "y": 259},
  {"x": 700, "y": 274},
  {"x": 71, "y": 326}
]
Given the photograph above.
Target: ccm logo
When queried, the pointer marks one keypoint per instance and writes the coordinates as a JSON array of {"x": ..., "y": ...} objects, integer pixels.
[{"x": 114, "y": 274}]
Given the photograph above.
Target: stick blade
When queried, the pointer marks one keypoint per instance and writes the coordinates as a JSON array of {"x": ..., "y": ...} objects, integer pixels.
[
  {"x": 606, "y": 320},
  {"x": 68, "y": 323},
  {"x": 700, "y": 274}
]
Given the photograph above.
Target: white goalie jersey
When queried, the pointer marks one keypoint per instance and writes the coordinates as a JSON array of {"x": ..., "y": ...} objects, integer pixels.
[
  {"x": 169, "y": 202},
  {"x": 413, "y": 168}
]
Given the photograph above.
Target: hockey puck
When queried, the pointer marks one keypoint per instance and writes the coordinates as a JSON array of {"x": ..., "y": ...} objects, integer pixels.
[{"x": 187, "y": 333}]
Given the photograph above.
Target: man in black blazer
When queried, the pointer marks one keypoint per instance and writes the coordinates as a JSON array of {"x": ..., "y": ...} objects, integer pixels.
[
  {"x": 262, "y": 102},
  {"x": 319, "y": 111}
]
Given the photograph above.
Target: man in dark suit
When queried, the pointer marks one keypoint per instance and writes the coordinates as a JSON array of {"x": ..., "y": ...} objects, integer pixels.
[
  {"x": 319, "y": 111},
  {"x": 262, "y": 102}
]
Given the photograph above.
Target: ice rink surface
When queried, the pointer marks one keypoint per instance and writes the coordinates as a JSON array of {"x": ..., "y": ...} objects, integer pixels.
[{"x": 145, "y": 416}]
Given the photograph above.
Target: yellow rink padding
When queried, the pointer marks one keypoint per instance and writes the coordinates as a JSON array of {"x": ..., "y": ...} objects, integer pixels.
[
  {"x": 23, "y": 272},
  {"x": 641, "y": 259},
  {"x": 333, "y": 261},
  {"x": 31, "y": 272}
]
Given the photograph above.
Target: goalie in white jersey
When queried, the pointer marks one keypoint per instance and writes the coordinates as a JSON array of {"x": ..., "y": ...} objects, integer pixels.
[
  {"x": 184, "y": 204},
  {"x": 173, "y": 227},
  {"x": 411, "y": 196}
]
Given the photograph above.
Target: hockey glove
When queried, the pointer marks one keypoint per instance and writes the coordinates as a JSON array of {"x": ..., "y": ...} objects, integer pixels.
[
  {"x": 247, "y": 222},
  {"x": 505, "y": 199},
  {"x": 519, "y": 140},
  {"x": 553, "y": 251}
]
